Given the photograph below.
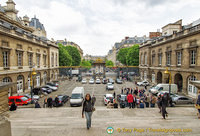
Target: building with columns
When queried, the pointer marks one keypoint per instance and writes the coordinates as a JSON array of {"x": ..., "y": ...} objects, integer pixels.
[
  {"x": 23, "y": 45},
  {"x": 178, "y": 49}
]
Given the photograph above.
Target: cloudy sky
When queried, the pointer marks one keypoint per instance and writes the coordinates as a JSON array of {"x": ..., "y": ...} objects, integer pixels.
[{"x": 97, "y": 24}]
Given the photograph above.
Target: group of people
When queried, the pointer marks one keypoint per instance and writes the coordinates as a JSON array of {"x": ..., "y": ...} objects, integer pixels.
[
  {"x": 139, "y": 98},
  {"x": 49, "y": 102}
]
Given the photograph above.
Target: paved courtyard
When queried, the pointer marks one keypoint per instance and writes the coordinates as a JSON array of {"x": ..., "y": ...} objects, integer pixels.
[{"x": 68, "y": 122}]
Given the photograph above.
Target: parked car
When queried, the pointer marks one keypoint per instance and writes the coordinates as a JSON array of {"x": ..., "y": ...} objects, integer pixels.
[
  {"x": 52, "y": 84},
  {"x": 164, "y": 87},
  {"x": 35, "y": 97},
  {"x": 84, "y": 81},
  {"x": 62, "y": 100},
  {"x": 98, "y": 81},
  {"x": 91, "y": 81},
  {"x": 108, "y": 97},
  {"x": 143, "y": 83},
  {"x": 118, "y": 81},
  {"x": 56, "y": 82},
  {"x": 110, "y": 80},
  {"x": 19, "y": 100},
  {"x": 182, "y": 100},
  {"x": 104, "y": 81},
  {"x": 36, "y": 91},
  {"x": 52, "y": 87},
  {"x": 109, "y": 86},
  {"x": 46, "y": 89}
]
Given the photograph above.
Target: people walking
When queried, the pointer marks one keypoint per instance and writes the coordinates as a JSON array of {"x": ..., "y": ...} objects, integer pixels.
[
  {"x": 164, "y": 103},
  {"x": 130, "y": 100},
  {"x": 153, "y": 101},
  {"x": 45, "y": 103},
  {"x": 114, "y": 94},
  {"x": 159, "y": 103},
  {"x": 50, "y": 102},
  {"x": 56, "y": 100},
  {"x": 147, "y": 100},
  {"x": 198, "y": 105},
  {"x": 88, "y": 106},
  {"x": 134, "y": 101}
]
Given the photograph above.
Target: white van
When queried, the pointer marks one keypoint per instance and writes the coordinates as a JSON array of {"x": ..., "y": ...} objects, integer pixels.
[
  {"x": 164, "y": 87},
  {"x": 77, "y": 96}
]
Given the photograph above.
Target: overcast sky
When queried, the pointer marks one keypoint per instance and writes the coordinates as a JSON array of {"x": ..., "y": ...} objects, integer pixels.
[{"x": 96, "y": 25}]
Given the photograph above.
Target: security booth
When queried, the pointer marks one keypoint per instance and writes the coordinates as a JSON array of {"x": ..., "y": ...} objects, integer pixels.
[{"x": 5, "y": 126}]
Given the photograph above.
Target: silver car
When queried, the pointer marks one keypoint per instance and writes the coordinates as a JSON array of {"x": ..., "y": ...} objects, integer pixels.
[{"x": 182, "y": 100}]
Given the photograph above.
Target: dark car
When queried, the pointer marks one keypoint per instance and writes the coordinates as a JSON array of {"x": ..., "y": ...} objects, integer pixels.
[
  {"x": 46, "y": 89},
  {"x": 62, "y": 100},
  {"x": 118, "y": 81},
  {"x": 110, "y": 80},
  {"x": 36, "y": 91}
]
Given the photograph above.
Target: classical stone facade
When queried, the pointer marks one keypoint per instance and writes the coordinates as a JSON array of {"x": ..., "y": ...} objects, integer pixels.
[
  {"x": 179, "y": 51},
  {"x": 21, "y": 50}
]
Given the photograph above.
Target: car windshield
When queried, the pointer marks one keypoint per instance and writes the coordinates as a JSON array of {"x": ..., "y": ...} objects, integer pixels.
[
  {"x": 157, "y": 87},
  {"x": 76, "y": 96},
  {"x": 24, "y": 98}
]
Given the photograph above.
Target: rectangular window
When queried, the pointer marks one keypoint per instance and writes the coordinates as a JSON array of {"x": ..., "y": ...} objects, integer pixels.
[
  {"x": 192, "y": 57},
  {"x": 160, "y": 60},
  {"x": 38, "y": 60},
  {"x": 168, "y": 58},
  {"x": 178, "y": 58},
  {"x": 5, "y": 59},
  {"x": 145, "y": 59},
  {"x": 19, "y": 58},
  {"x": 153, "y": 59},
  {"x": 52, "y": 60},
  {"x": 45, "y": 60},
  {"x": 56, "y": 60},
  {"x": 30, "y": 59},
  {"x": 141, "y": 59}
]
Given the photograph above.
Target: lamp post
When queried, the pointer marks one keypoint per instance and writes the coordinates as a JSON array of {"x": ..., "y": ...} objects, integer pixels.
[
  {"x": 170, "y": 79},
  {"x": 32, "y": 74}
]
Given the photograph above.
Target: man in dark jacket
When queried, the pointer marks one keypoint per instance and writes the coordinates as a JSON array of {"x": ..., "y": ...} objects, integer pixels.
[
  {"x": 122, "y": 90},
  {"x": 164, "y": 102},
  {"x": 56, "y": 101},
  {"x": 37, "y": 105},
  {"x": 50, "y": 102}
]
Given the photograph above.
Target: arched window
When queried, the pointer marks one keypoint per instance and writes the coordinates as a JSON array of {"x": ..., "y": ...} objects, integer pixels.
[{"x": 7, "y": 80}]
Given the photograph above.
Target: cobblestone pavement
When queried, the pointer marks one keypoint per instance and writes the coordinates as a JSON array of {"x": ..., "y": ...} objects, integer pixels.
[{"x": 67, "y": 121}]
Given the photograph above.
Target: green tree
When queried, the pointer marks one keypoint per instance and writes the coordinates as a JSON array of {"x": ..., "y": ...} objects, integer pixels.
[
  {"x": 109, "y": 63},
  {"x": 74, "y": 53},
  {"x": 64, "y": 58},
  {"x": 132, "y": 57},
  {"x": 121, "y": 55},
  {"x": 85, "y": 63}
]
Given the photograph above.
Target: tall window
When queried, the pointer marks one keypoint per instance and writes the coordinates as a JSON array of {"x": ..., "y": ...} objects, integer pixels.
[
  {"x": 141, "y": 59},
  {"x": 45, "y": 60},
  {"x": 56, "y": 59},
  {"x": 5, "y": 59},
  {"x": 38, "y": 60},
  {"x": 30, "y": 59},
  {"x": 153, "y": 59},
  {"x": 52, "y": 60},
  {"x": 191, "y": 88},
  {"x": 19, "y": 58},
  {"x": 192, "y": 57},
  {"x": 145, "y": 59},
  {"x": 178, "y": 58},
  {"x": 168, "y": 58},
  {"x": 160, "y": 59}
]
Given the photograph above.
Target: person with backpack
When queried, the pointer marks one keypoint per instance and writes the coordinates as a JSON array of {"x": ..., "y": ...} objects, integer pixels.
[{"x": 88, "y": 108}]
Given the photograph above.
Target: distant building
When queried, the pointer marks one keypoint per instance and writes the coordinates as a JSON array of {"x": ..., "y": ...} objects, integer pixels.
[
  {"x": 126, "y": 42},
  {"x": 66, "y": 43},
  {"x": 172, "y": 28},
  {"x": 154, "y": 34},
  {"x": 93, "y": 58}
]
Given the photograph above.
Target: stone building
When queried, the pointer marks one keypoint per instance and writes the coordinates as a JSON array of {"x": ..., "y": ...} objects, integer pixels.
[
  {"x": 93, "y": 58},
  {"x": 23, "y": 45},
  {"x": 67, "y": 43},
  {"x": 178, "y": 49}
]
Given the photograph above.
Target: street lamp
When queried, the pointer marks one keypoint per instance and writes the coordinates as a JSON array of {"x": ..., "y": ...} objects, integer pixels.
[
  {"x": 170, "y": 79},
  {"x": 32, "y": 74}
]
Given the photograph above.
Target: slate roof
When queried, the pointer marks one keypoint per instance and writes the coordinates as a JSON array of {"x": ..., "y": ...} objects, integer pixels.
[{"x": 36, "y": 23}]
